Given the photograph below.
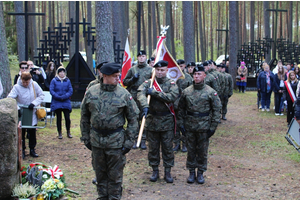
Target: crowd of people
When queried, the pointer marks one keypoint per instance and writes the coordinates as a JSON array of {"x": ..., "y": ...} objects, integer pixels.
[
  {"x": 28, "y": 88},
  {"x": 199, "y": 101},
  {"x": 283, "y": 81}
]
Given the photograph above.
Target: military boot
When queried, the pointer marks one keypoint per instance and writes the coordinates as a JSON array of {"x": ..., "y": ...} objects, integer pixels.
[
  {"x": 134, "y": 145},
  {"x": 168, "y": 178},
  {"x": 184, "y": 149},
  {"x": 33, "y": 154},
  {"x": 94, "y": 181},
  {"x": 59, "y": 135},
  {"x": 69, "y": 134},
  {"x": 200, "y": 178},
  {"x": 154, "y": 176},
  {"x": 223, "y": 117},
  {"x": 143, "y": 145},
  {"x": 177, "y": 147},
  {"x": 191, "y": 178}
]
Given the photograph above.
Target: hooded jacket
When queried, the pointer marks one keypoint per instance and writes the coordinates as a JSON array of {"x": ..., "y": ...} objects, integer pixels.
[
  {"x": 25, "y": 95},
  {"x": 61, "y": 91}
]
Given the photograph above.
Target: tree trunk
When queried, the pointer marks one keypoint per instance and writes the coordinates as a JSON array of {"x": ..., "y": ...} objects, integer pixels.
[
  {"x": 154, "y": 30},
  {"x": 196, "y": 28},
  {"x": 280, "y": 23},
  {"x": 258, "y": 21},
  {"x": 144, "y": 28},
  {"x": 103, "y": 14},
  {"x": 252, "y": 20},
  {"x": 158, "y": 19},
  {"x": 211, "y": 34},
  {"x": 53, "y": 15},
  {"x": 290, "y": 28},
  {"x": 245, "y": 39},
  {"x": 44, "y": 10},
  {"x": 32, "y": 31},
  {"x": 204, "y": 35},
  {"x": 89, "y": 54},
  {"x": 232, "y": 45},
  {"x": 240, "y": 26},
  {"x": 4, "y": 62},
  {"x": 150, "y": 50},
  {"x": 218, "y": 32},
  {"x": 267, "y": 27},
  {"x": 201, "y": 34},
  {"x": 296, "y": 40},
  {"x": 72, "y": 6},
  {"x": 172, "y": 36},
  {"x": 20, "y": 27},
  {"x": 168, "y": 11},
  {"x": 188, "y": 31}
]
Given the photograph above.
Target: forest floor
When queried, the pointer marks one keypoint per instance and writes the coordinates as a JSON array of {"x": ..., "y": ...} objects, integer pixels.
[{"x": 249, "y": 158}]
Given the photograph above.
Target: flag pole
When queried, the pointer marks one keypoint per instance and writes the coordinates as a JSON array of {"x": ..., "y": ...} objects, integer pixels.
[{"x": 163, "y": 32}]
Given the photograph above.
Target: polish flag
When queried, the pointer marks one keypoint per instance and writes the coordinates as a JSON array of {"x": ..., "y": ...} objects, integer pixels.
[
  {"x": 126, "y": 62},
  {"x": 174, "y": 71}
]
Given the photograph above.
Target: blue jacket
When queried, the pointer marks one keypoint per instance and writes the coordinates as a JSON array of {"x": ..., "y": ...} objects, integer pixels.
[
  {"x": 261, "y": 81},
  {"x": 61, "y": 92}
]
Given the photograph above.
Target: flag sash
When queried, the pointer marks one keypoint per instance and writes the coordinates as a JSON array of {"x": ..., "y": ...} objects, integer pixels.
[
  {"x": 290, "y": 91},
  {"x": 157, "y": 87}
]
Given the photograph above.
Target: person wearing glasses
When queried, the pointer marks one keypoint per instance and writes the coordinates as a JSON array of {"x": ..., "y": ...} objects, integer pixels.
[{"x": 23, "y": 68}]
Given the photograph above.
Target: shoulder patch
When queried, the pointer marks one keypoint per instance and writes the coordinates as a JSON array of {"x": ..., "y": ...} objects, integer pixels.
[
  {"x": 215, "y": 94},
  {"x": 172, "y": 82},
  {"x": 146, "y": 81}
]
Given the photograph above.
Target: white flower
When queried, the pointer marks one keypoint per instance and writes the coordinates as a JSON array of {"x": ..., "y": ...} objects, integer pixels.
[
  {"x": 45, "y": 176},
  {"x": 40, "y": 167}
]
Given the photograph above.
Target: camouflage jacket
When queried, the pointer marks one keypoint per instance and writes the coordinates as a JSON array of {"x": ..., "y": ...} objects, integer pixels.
[
  {"x": 211, "y": 81},
  {"x": 107, "y": 107},
  {"x": 157, "y": 104},
  {"x": 229, "y": 86},
  {"x": 203, "y": 99},
  {"x": 145, "y": 73},
  {"x": 182, "y": 84},
  {"x": 219, "y": 80},
  {"x": 94, "y": 82}
]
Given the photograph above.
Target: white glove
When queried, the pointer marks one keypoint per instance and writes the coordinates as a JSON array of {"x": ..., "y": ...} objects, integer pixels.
[{"x": 285, "y": 102}]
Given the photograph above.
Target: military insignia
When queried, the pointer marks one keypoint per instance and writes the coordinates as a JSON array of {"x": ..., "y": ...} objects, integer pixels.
[
  {"x": 146, "y": 81},
  {"x": 215, "y": 94},
  {"x": 172, "y": 82},
  {"x": 159, "y": 64}
]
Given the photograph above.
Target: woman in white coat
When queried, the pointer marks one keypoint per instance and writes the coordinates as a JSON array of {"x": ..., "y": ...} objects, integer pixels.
[{"x": 24, "y": 93}]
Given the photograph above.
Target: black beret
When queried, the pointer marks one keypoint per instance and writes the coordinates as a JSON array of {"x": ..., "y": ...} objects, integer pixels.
[
  {"x": 151, "y": 59},
  {"x": 61, "y": 69},
  {"x": 209, "y": 62},
  {"x": 191, "y": 64},
  {"x": 219, "y": 65},
  {"x": 161, "y": 63},
  {"x": 110, "y": 68},
  {"x": 141, "y": 52},
  {"x": 101, "y": 64},
  {"x": 205, "y": 63},
  {"x": 222, "y": 65},
  {"x": 214, "y": 63},
  {"x": 180, "y": 61},
  {"x": 198, "y": 68}
]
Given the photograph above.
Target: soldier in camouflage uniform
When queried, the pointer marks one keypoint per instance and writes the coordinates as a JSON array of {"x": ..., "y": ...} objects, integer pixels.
[
  {"x": 190, "y": 67},
  {"x": 199, "y": 113},
  {"x": 133, "y": 79},
  {"x": 182, "y": 84},
  {"x": 104, "y": 110},
  {"x": 210, "y": 79},
  {"x": 228, "y": 91},
  {"x": 99, "y": 76},
  {"x": 159, "y": 121}
]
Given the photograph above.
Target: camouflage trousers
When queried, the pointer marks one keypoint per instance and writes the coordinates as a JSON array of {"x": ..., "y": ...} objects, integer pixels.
[
  {"x": 108, "y": 165},
  {"x": 224, "y": 102},
  {"x": 197, "y": 146},
  {"x": 165, "y": 140},
  {"x": 179, "y": 137}
]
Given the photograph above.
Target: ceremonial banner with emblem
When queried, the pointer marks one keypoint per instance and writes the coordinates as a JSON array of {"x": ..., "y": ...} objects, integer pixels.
[
  {"x": 126, "y": 62},
  {"x": 174, "y": 71}
]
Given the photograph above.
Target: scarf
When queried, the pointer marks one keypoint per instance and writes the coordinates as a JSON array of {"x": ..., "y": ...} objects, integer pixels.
[
  {"x": 62, "y": 79},
  {"x": 268, "y": 81}
]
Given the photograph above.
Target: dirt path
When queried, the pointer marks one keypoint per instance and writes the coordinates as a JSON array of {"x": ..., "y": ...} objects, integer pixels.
[{"x": 249, "y": 158}]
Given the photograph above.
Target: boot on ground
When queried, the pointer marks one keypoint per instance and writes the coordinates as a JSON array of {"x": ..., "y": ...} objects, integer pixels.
[
  {"x": 177, "y": 147},
  {"x": 192, "y": 177},
  {"x": 168, "y": 178},
  {"x": 69, "y": 134},
  {"x": 143, "y": 145},
  {"x": 154, "y": 176},
  {"x": 60, "y": 135},
  {"x": 200, "y": 178},
  {"x": 184, "y": 149},
  {"x": 224, "y": 117},
  {"x": 134, "y": 145},
  {"x": 33, "y": 154}
]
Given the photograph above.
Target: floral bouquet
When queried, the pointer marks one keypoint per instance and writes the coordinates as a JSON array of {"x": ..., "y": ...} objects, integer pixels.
[{"x": 50, "y": 182}]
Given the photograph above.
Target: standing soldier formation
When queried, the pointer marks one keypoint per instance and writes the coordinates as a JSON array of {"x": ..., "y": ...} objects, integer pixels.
[
  {"x": 105, "y": 109},
  {"x": 133, "y": 79},
  {"x": 198, "y": 115},
  {"x": 159, "y": 120}
]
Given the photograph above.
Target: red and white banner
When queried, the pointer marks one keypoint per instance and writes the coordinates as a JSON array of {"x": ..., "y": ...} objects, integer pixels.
[
  {"x": 174, "y": 71},
  {"x": 126, "y": 62},
  {"x": 290, "y": 91}
]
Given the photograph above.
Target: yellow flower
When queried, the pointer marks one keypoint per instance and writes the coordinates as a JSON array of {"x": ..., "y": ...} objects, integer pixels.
[
  {"x": 60, "y": 185},
  {"x": 56, "y": 180}
]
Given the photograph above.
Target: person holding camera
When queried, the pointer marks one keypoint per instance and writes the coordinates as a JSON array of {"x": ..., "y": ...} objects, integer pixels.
[
  {"x": 37, "y": 76},
  {"x": 242, "y": 80}
]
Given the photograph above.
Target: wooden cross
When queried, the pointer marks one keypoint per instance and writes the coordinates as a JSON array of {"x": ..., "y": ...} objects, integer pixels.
[{"x": 26, "y": 14}]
